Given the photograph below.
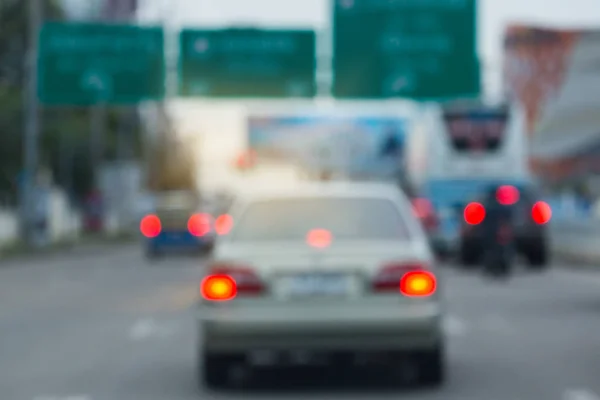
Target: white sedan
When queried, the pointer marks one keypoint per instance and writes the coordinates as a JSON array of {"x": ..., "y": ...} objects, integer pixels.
[{"x": 325, "y": 273}]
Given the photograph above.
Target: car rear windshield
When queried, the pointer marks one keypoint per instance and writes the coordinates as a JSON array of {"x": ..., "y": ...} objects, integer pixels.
[{"x": 292, "y": 219}]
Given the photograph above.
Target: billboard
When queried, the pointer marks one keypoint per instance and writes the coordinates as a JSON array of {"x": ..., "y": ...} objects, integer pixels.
[
  {"x": 555, "y": 76},
  {"x": 351, "y": 146}
]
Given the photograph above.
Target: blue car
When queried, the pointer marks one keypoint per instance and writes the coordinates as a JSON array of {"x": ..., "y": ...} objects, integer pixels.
[{"x": 173, "y": 234}]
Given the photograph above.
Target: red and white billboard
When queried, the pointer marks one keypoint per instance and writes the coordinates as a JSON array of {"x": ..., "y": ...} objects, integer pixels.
[{"x": 555, "y": 76}]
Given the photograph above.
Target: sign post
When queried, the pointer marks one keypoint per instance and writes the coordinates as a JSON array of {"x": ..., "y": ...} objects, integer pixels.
[
  {"x": 246, "y": 62},
  {"x": 412, "y": 49},
  {"x": 32, "y": 125},
  {"x": 100, "y": 86}
]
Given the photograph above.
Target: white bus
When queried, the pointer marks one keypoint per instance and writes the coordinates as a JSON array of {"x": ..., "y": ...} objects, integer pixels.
[{"x": 456, "y": 151}]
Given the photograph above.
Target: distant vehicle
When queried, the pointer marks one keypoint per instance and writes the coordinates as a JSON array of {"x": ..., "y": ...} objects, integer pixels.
[
  {"x": 326, "y": 273},
  {"x": 177, "y": 223},
  {"x": 529, "y": 226},
  {"x": 426, "y": 214},
  {"x": 456, "y": 151}
]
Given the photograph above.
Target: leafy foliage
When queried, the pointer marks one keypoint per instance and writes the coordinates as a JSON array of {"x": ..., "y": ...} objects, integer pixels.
[{"x": 64, "y": 136}]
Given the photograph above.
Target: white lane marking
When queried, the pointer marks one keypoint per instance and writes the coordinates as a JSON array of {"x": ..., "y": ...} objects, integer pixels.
[
  {"x": 147, "y": 328},
  {"x": 579, "y": 394},
  {"x": 71, "y": 397},
  {"x": 454, "y": 326}
]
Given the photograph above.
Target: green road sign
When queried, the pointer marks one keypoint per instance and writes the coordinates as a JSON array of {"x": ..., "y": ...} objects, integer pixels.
[
  {"x": 417, "y": 49},
  {"x": 247, "y": 63},
  {"x": 83, "y": 64}
]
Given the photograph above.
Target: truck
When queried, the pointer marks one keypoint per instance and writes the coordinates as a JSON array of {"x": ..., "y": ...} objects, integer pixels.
[{"x": 458, "y": 149}]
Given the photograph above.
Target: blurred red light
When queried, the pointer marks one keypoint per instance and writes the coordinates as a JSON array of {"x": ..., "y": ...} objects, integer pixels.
[
  {"x": 199, "y": 224},
  {"x": 150, "y": 226},
  {"x": 223, "y": 224},
  {"x": 474, "y": 213},
  {"x": 418, "y": 284},
  {"x": 319, "y": 238},
  {"x": 507, "y": 195},
  {"x": 218, "y": 288},
  {"x": 541, "y": 213}
]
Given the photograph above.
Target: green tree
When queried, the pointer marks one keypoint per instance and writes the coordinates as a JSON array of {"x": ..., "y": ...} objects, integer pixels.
[
  {"x": 64, "y": 131},
  {"x": 13, "y": 45}
]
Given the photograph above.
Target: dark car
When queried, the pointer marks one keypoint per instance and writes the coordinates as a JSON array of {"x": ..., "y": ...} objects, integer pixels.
[
  {"x": 530, "y": 216},
  {"x": 426, "y": 214}
]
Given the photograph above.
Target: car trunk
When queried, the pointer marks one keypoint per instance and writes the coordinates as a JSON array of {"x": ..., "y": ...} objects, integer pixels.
[{"x": 291, "y": 268}]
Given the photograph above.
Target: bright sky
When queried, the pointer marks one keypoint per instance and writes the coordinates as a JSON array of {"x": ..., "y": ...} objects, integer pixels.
[{"x": 493, "y": 16}]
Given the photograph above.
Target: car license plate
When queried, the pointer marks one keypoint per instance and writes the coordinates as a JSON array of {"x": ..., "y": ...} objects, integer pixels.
[{"x": 318, "y": 284}]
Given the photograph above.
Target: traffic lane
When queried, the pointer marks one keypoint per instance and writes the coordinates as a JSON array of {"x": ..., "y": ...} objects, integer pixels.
[
  {"x": 42, "y": 283},
  {"x": 505, "y": 340},
  {"x": 543, "y": 329},
  {"x": 59, "y": 318}
]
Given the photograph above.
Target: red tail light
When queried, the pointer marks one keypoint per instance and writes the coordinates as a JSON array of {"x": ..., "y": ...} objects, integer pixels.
[
  {"x": 418, "y": 284},
  {"x": 507, "y": 195},
  {"x": 223, "y": 224},
  {"x": 474, "y": 213},
  {"x": 390, "y": 276},
  {"x": 246, "y": 280},
  {"x": 199, "y": 224},
  {"x": 218, "y": 288},
  {"x": 319, "y": 238},
  {"x": 150, "y": 226},
  {"x": 541, "y": 213}
]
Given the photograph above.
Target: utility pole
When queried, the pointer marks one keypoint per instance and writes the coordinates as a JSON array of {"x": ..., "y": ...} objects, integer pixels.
[
  {"x": 32, "y": 123},
  {"x": 125, "y": 11}
]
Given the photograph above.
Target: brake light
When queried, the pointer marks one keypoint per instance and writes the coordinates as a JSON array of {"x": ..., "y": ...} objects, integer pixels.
[
  {"x": 319, "y": 238},
  {"x": 474, "y": 213},
  {"x": 390, "y": 276},
  {"x": 223, "y": 224},
  {"x": 199, "y": 224},
  {"x": 541, "y": 213},
  {"x": 218, "y": 288},
  {"x": 246, "y": 280},
  {"x": 150, "y": 226},
  {"x": 507, "y": 195},
  {"x": 418, "y": 284}
]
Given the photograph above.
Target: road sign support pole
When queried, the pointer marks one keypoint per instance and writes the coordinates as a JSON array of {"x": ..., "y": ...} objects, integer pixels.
[
  {"x": 32, "y": 123},
  {"x": 97, "y": 130}
]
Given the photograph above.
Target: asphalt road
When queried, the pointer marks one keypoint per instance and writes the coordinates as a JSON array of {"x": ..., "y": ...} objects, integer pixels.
[{"x": 112, "y": 327}]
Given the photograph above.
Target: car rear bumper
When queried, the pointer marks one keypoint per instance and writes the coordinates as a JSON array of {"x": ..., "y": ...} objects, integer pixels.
[
  {"x": 169, "y": 240},
  {"x": 414, "y": 327},
  {"x": 522, "y": 240}
]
